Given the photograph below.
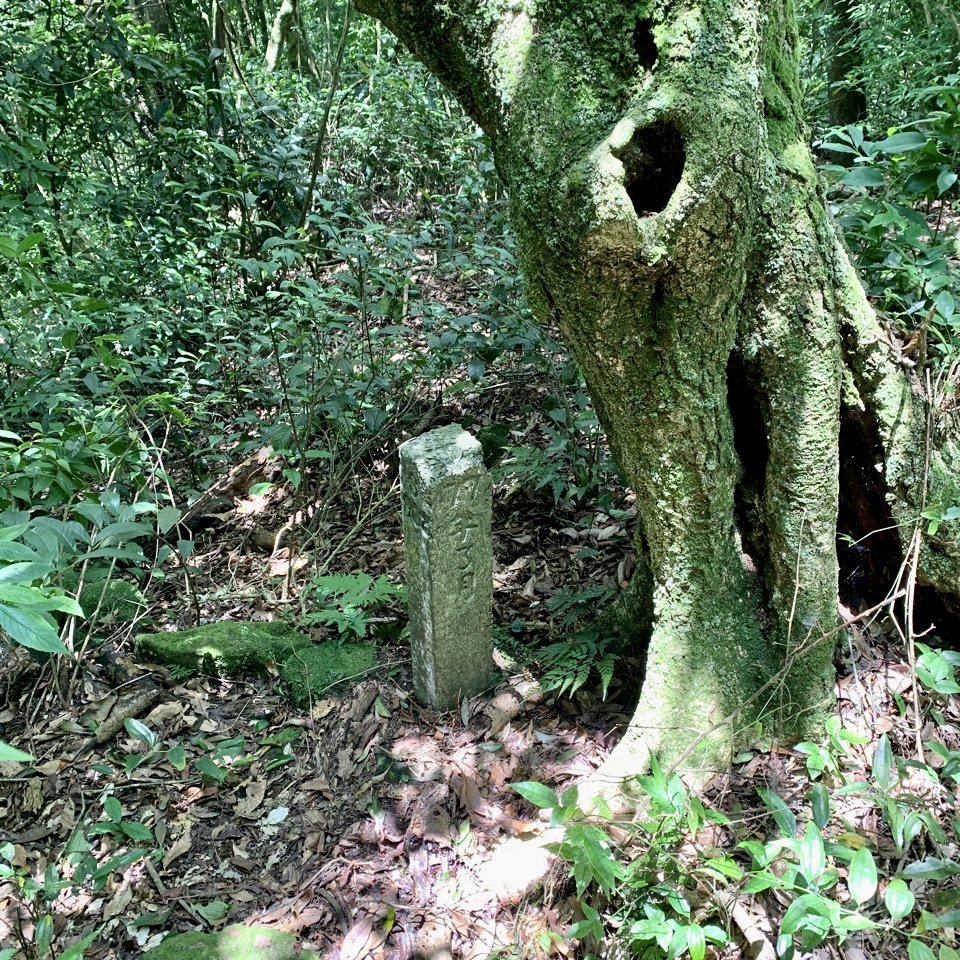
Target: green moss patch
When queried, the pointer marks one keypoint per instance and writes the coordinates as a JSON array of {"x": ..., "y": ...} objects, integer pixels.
[
  {"x": 236, "y": 942},
  {"x": 225, "y": 649},
  {"x": 119, "y": 601},
  {"x": 310, "y": 672}
]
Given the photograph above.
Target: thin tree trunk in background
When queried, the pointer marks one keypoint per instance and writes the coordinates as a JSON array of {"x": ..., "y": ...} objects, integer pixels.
[
  {"x": 260, "y": 19},
  {"x": 154, "y": 13},
  {"x": 250, "y": 34},
  {"x": 317, "y": 159},
  {"x": 846, "y": 98},
  {"x": 288, "y": 34}
]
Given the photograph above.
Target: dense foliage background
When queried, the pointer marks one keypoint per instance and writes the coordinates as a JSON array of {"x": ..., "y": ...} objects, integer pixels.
[{"x": 235, "y": 235}]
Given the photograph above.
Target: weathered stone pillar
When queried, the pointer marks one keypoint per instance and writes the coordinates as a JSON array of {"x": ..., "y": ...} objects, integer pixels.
[{"x": 447, "y": 505}]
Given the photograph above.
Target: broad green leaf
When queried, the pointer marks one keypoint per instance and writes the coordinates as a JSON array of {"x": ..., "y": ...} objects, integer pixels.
[
  {"x": 118, "y": 863},
  {"x": 918, "y": 950},
  {"x": 213, "y": 911},
  {"x": 820, "y": 804},
  {"x": 948, "y": 953},
  {"x": 17, "y": 553},
  {"x": 854, "y": 921},
  {"x": 167, "y": 518},
  {"x": 35, "y": 630},
  {"x": 696, "y": 942},
  {"x": 15, "y": 531},
  {"x": 762, "y": 881},
  {"x": 723, "y": 866},
  {"x": 8, "y": 753},
  {"x": 902, "y": 143},
  {"x": 898, "y": 899},
  {"x": 862, "y": 878},
  {"x": 120, "y": 532},
  {"x": 931, "y": 868},
  {"x": 537, "y": 793},
  {"x": 806, "y": 905},
  {"x": 177, "y": 757},
  {"x": 29, "y": 242},
  {"x": 62, "y": 605},
  {"x": 112, "y": 808},
  {"x": 813, "y": 859},
  {"x": 43, "y": 935},
  {"x": 23, "y": 572},
  {"x": 883, "y": 767},
  {"x": 946, "y": 179},
  {"x": 137, "y": 831},
  {"x": 864, "y": 177},
  {"x": 781, "y": 813},
  {"x": 207, "y": 768},
  {"x": 14, "y": 594},
  {"x": 949, "y": 918}
]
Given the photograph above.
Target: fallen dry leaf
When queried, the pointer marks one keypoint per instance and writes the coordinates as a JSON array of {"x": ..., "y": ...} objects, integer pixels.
[
  {"x": 180, "y": 847},
  {"x": 255, "y": 794},
  {"x": 118, "y": 902}
]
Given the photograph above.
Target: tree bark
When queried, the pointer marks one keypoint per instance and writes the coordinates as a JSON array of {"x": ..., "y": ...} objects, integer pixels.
[{"x": 670, "y": 221}]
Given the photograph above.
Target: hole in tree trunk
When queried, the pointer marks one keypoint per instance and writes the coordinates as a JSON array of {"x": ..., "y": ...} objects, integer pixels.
[
  {"x": 868, "y": 549},
  {"x": 868, "y": 564},
  {"x": 653, "y": 163},
  {"x": 644, "y": 45},
  {"x": 750, "y": 441}
]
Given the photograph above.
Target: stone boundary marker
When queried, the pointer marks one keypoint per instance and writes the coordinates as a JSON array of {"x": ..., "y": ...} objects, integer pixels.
[{"x": 446, "y": 494}]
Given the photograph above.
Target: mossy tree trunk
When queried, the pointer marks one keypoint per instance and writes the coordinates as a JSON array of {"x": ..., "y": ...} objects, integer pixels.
[{"x": 671, "y": 224}]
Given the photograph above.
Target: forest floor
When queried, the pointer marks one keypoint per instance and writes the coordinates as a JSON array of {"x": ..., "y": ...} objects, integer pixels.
[{"x": 367, "y": 825}]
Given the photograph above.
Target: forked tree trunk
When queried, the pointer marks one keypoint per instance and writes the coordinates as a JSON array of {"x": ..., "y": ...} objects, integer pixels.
[{"x": 671, "y": 223}]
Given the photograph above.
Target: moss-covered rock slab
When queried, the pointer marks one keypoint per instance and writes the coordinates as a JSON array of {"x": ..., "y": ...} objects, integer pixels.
[
  {"x": 225, "y": 649},
  {"x": 236, "y": 942},
  {"x": 308, "y": 673}
]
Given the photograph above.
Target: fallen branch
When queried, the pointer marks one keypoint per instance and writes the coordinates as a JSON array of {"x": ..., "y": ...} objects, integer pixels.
[{"x": 140, "y": 703}]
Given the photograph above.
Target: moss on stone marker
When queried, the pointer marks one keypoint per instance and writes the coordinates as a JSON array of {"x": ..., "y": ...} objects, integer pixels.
[
  {"x": 308, "y": 673},
  {"x": 225, "y": 649},
  {"x": 236, "y": 942}
]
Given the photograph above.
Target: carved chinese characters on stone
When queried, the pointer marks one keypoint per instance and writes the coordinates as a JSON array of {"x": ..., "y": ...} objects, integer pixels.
[{"x": 446, "y": 495}]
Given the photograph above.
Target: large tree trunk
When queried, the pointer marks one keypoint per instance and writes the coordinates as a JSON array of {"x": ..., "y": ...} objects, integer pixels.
[{"x": 670, "y": 222}]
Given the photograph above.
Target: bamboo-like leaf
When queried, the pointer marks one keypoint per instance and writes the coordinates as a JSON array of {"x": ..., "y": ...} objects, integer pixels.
[{"x": 12, "y": 753}]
